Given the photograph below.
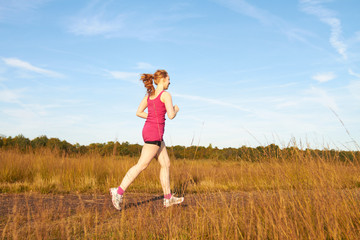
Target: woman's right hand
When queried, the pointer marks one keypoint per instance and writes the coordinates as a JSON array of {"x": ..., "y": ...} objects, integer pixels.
[
  {"x": 170, "y": 108},
  {"x": 176, "y": 108}
]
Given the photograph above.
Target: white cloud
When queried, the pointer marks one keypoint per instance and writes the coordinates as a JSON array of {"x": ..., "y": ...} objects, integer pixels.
[
  {"x": 324, "y": 77},
  {"x": 298, "y": 34},
  {"x": 21, "y": 114},
  {"x": 357, "y": 36},
  {"x": 14, "y": 62},
  {"x": 352, "y": 73},
  {"x": 10, "y": 96},
  {"x": 144, "y": 66},
  {"x": 354, "y": 88},
  {"x": 268, "y": 19},
  {"x": 287, "y": 103},
  {"x": 12, "y": 9},
  {"x": 111, "y": 20},
  {"x": 263, "y": 16},
  {"x": 247, "y": 9},
  {"x": 321, "y": 96},
  {"x": 96, "y": 25},
  {"x": 127, "y": 76},
  {"x": 212, "y": 101},
  {"x": 327, "y": 16},
  {"x": 96, "y": 19},
  {"x": 123, "y": 75}
]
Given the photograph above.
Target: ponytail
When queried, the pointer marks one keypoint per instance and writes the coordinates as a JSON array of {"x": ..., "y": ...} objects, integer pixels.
[
  {"x": 148, "y": 82},
  {"x": 149, "y": 79}
]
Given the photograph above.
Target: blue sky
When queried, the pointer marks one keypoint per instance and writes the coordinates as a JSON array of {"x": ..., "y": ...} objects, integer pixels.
[{"x": 242, "y": 72}]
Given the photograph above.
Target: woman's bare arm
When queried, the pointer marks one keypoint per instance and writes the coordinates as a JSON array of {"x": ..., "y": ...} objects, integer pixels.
[
  {"x": 143, "y": 105},
  {"x": 170, "y": 109}
]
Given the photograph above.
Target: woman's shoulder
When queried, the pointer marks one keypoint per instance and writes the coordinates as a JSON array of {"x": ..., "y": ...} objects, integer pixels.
[
  {"x": 165, "y": 95},
  {"x": 164, "y": 92}
]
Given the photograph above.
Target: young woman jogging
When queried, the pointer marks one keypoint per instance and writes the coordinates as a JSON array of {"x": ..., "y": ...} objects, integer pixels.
[{"x": 158, "y": 102}]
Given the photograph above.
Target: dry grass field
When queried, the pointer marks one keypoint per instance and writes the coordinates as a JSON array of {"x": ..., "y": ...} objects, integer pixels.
[{"x": 48, "y": 196}]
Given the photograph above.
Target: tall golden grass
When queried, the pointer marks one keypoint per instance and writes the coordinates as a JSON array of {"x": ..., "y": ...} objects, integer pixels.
[{"x": 304, "y": 197}]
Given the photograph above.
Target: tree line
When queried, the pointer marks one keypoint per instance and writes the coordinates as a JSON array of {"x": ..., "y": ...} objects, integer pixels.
[{"x": 116, "y": 148}]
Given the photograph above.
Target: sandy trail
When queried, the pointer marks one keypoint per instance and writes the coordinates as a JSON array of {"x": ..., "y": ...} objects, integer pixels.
[
  {"x": 75, "y": 215},
  {"x": 9, "y": 203}
]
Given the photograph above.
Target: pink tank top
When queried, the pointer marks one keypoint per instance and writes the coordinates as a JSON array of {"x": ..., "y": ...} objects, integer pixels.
[{"x": 155, "y": 122}]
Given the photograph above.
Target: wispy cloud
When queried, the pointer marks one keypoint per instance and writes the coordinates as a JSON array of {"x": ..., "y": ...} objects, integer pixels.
[
  {"x": 324, "y": 77},
  {"x": 329, "y": 17},
  {"x": 10, "y": 96},
  {"x": 126, "y": 76},
  {"x": 121, "y": 25},
  {"x": 352, "y": 73},
  {"x": 357, "y": 36},
  {"x": 131, "y": 76},
  {"x": 298, "y": 34},
  {"x": 109, "y": 19},
  {"x": 212, "y": 101},
  {"x": 267, "y": 18},
  {"x": 14, "y": 10},
  {"x": 96, "y": 25},
  {"x": 97, "y": 18},
  {"x": 321, "y": 96},
  {"x": 144, "y": 66},
  {"x": 354, "y": 89},
  {"x": 22, "y": 110},
  {"x": 250, "y": 10},
  {"x": 14, "y": 62},
  {"x": 20, "y": 113},
  {"x": 354, "y": 86},
  {"x": 22, "y": 107}
]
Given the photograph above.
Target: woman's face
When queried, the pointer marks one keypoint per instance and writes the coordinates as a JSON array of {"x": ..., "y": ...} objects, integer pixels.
[{"x": 166, "y": 82}]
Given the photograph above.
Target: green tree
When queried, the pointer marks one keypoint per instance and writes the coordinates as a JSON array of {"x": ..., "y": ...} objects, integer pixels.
[
  {"x": 2, "y": 137},
  {"x": 53, "y": 143},
  {"x": 80, "y": 149},
  {"x": 39, "y": 142},
  {"x": 124, "y": 149},
  {"x": 21, "y": 142}
]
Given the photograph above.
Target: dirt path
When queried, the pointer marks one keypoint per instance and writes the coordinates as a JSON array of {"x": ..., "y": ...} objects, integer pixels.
[
  {"x": 74, "y": 203},
  {"x": 102, "y": 202},
  {"x": 77, "y": 216},
  {"x": 69, "y": 202}
]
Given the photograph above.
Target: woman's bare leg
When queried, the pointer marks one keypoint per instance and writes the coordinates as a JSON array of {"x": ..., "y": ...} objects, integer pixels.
[
  {"x": 164, "y": 161},
  {"x": 148, "y": 152}
]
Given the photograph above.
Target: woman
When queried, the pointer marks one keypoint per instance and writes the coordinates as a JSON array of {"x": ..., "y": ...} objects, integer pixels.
[{"x": 158, "y": 102}]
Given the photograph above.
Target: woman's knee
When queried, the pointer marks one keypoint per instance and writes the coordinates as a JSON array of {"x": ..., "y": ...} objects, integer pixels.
[
  {"x": 142, "y": 166},
  {"x": 164, "y": 162}
]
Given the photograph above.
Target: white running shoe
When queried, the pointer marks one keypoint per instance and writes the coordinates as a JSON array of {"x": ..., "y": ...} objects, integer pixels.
[
  {"x": 173, "y": 200},
  {"x": 116, "y": 198}
]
